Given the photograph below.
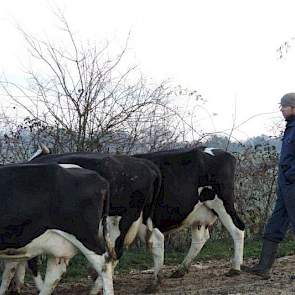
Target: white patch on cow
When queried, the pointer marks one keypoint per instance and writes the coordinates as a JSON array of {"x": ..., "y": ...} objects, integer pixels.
[
  {"x": 209, "y": 151},
  {"x": 200, "y": 215},
  {"x": 113, "y": 229},
  {"x": 69, "y": 166},
  {"x": 112, "y": 232},
  {"x": 133, "y": 231},
  {"x": 236, "y": 234},
  {"x": 38, "y": 281},
  {"x": 98, "y": 262},
  {"x": 157, "y": 247},
  {"x": 58, "y": 244},
  {"x": 53, "y": 275},
  {"x": 143, "y": 229},
  {"x": 149, "y": 224},
  {"x": 200, "y": 234},
  {"x": 155, "y": 244},
  {"x": 142, "y": 232},
  {"x": 50, "y": 243}
]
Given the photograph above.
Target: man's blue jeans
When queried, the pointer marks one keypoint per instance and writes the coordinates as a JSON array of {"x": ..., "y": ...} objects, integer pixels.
[{"x": 283, "y": 213}]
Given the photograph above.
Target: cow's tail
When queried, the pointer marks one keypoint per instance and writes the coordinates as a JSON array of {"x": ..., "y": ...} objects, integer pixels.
[
  {"x": 110, "y": 247},
  {"x": 150, "y": 208}
]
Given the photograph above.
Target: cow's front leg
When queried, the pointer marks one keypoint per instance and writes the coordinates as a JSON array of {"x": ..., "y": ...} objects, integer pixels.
[
  {"x": 236, "y": 234},
  {"x": 98, "y": 284},
  {"x": 200, "y": 234},
  {"x": 103, "y": 266}
]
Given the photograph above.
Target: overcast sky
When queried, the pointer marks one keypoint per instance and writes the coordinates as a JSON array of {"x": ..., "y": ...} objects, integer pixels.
[{"x": 227, "y": 50}]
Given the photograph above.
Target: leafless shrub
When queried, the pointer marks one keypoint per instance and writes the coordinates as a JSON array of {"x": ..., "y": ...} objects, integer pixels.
[{"x": 80, "y": 98}]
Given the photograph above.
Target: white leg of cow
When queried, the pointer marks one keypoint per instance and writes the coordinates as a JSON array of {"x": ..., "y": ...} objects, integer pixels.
[
  {"x": 97, "y": 287},
  {"x": 98, "y": 284},
  {"x": 105, "y": 274},
  {"x": 200, "y": 234},
  {"x": 38, "y": 281},
  {"x": 7, "y": 275},
  {"x": 20, "y": 276},
  {"x": 54, "y": 271},
  {"x": 157, "y": 247},
  {"x": 155, "y": 243},
  {"x": 236, "y": 234}
]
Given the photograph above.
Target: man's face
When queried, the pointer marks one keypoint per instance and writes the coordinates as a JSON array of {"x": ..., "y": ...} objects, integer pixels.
[{"x": 287, "y": 111}]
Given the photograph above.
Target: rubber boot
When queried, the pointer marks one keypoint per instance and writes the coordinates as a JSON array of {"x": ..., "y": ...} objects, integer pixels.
[{"x": 267, "y": 258}]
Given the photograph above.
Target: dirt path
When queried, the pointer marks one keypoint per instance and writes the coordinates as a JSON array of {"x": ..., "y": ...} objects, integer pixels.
[{"x": 203, "y": 279}]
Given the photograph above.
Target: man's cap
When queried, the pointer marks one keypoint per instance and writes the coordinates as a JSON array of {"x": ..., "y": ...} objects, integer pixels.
[{"x": 288, "y": 100}]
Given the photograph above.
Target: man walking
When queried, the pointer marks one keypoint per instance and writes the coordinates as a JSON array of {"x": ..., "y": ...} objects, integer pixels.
[{"x": 283, "y": 213}]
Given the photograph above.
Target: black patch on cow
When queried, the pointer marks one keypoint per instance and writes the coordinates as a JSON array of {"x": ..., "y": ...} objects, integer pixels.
[
  {"x": 207, "y": 194},
  {"x": 33, "y": 266},
  {"x": 38, "y": 197}
]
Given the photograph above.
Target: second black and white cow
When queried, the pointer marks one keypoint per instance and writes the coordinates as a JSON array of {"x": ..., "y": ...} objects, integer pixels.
[
  {"x": 56, "y": 210},
  {"x": 134, "y": 187},
  {"x": 197, "y": 188}
]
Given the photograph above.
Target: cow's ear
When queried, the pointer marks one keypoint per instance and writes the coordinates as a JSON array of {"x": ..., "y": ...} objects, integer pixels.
[{"x": 45, "y": 149}]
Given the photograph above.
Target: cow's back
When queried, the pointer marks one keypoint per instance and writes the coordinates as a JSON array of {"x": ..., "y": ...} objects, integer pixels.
[{"x": 131, "y": 180}]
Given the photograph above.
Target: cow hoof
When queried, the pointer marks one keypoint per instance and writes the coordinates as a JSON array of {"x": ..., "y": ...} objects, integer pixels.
[
  {"x": 233, "y": 273},
  {"x": 179, "y": 273}
]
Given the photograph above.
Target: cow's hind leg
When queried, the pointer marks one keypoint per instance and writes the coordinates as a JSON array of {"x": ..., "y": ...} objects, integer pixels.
[
  {"x": 154, "y": 240},
  {"x": 33, "y": 267},
  {"x": 236, "y": 233},
  {"x": 200, "y": 234},
  {"x": 19, "y": 278},
  {"x": 155, "y": 243},
  {"x": 54, "y": 271},
  {"x": 7, "y": 275}
]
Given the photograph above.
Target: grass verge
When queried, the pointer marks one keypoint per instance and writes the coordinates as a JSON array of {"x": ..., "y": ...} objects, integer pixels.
[{"x": 140, "y": 259}]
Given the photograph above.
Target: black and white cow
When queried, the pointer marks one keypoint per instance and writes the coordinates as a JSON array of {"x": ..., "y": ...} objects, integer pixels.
[
  {"x": 134, "y": 187},
  {"x": 56, "y": 210},
  {"x": 197, "y": 188}
]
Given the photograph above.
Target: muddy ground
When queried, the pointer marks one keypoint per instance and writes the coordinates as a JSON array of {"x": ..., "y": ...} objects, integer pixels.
[{"x": 204, "y": 278}]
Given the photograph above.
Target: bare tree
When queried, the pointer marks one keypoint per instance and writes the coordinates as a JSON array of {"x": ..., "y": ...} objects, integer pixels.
[{"x": 84, "y": 100}]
